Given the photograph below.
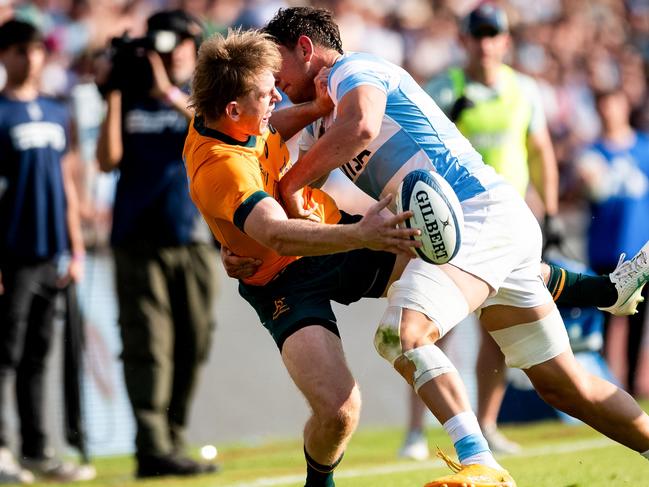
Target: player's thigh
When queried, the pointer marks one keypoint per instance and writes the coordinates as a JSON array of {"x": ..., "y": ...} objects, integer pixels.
[
  {"x": 500, "y": 239},
  {"x": 522, "y": 298},
  {"x": 560, "y": 374},
  {"x": 315, "y": 361},
  {"x": 434, "y": 297}
]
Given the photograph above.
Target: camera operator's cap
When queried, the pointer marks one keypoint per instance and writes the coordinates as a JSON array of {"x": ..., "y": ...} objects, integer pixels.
[
  {"x": 14, "y": 32},
  {"x": 167, "y": 28},
  {"x": 486, "y": 20}
]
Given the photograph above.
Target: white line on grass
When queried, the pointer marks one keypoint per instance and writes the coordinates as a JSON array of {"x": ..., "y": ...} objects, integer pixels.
[{"x": 411, "y": 467}]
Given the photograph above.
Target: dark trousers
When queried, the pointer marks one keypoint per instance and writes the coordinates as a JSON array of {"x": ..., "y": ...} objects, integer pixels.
[
  {"x": 26, "y": 329},
  {"x": 166, "y": 298}
]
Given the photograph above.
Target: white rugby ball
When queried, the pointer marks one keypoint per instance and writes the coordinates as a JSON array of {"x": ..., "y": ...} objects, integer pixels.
[{"x": 437, "y": 213}]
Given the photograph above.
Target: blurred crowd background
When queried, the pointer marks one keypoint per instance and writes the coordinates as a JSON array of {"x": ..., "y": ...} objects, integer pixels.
[{"x": 571, "y": 47}]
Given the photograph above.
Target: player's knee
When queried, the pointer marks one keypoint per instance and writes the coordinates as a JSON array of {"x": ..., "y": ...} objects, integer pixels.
[
  {"x": 340, "y": 416},
  {"x": 387, "y": 339},
  {"x": 417, "y": 330},
  {"x": 401, "y": 330},
  {"x": 431, "y": 301}
]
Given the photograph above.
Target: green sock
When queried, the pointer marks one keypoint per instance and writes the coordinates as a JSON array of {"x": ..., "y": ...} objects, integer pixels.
[
  {"x": 318, "y": 475},
  {"x": 580, "y": 290}
]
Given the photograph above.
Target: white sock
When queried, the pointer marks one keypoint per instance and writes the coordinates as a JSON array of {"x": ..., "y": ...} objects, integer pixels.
[
  {"x": 645, "y": 454},
  {"x": 462, "y": 426}
]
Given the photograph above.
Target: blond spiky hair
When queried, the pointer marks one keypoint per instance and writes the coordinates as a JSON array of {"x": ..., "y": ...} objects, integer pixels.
[{"x": 228, "y": 67}]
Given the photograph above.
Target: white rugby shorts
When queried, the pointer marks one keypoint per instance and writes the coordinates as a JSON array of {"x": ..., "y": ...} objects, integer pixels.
[{"x": 501, "y": 244}]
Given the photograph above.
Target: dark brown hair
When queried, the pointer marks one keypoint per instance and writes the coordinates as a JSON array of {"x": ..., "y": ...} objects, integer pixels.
[{"x": 316, "y": 23}]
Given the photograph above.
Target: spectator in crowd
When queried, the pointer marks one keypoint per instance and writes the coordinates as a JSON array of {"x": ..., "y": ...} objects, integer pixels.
[
  {"x": 500, "y": 111},
  {"x": 165, "y": 259},
  {"x": 39, "y": 224},
  {"x": 614, "y": 172}
]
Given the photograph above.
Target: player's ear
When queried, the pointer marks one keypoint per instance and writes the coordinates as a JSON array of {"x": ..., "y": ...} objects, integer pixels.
[
  {"x": 305, "y": 47},
  {"x": 232, "y": 110}
]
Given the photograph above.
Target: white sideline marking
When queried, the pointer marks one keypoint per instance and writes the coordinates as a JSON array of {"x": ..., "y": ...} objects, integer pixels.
[{"x": 414, "y": 466}]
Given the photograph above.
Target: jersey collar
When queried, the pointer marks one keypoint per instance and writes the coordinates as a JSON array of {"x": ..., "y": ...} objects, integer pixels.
[{"x": 199, "y": 125}]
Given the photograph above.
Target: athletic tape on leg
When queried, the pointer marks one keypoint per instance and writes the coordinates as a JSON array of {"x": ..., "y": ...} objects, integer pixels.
[
  {"x": 429, "y": 362},
  {"x": 428, "y": 289},
  {"x": 533, "y": 343}
]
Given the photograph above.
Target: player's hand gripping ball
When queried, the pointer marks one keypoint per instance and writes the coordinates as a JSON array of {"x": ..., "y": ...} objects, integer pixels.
[{"x": 437, "y": 213}]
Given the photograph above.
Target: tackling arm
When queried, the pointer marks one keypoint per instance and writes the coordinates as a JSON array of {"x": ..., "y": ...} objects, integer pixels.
[
  {"x": 358, "y": 122},
  {"x": 289, "y": 121},
  {"x": 268, "y": 224}
]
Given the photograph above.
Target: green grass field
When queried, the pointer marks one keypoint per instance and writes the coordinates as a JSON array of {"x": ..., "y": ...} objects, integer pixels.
[{"x": 555, "y": 455}]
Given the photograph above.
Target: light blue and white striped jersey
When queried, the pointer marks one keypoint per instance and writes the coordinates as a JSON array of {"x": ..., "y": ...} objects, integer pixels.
[{"x": 415, "y": 133}]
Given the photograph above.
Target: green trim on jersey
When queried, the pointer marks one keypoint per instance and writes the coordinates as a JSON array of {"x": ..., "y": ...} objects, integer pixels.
[{"x": 498, "y": 127}]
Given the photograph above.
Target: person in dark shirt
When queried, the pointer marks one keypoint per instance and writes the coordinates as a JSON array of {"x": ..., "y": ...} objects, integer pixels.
[
  {"x": 165, "y": 258},
  {"x": 41, "y": 247}
]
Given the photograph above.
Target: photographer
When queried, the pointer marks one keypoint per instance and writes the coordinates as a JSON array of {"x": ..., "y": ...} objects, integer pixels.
[{"x": 165, "y": 260}]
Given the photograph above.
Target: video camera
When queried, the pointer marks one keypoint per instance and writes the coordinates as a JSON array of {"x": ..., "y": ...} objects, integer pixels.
[{"x": 131, "y": 72}]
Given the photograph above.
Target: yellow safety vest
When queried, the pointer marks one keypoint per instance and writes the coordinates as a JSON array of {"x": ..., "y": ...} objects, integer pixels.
[{"x": 498, "y": 127}]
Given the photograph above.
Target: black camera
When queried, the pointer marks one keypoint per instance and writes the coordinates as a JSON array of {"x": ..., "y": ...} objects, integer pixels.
[{"x": 131, "y": 72}]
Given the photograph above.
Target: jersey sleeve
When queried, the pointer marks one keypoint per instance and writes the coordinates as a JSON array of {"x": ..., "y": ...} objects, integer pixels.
[
  {"x": 228, "y": 190},
  {"x": 351, "y": 74}
]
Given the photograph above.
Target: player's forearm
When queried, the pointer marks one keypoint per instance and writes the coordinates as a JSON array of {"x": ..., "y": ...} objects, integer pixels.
[
  {"x": 109, "y": 144},
  {"x": 301, "y": 237},
  {"x": 289, "y": 121},
  {"x": 340, "y": 144}
]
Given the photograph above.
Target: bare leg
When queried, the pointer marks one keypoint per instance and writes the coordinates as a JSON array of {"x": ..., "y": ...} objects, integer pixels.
[
  {"x": 445, "y": 395},
  {"x": 315, "y": 361},
  {"x": 490, "y": 371},
  {"x": 412, "y": 350},
  {"x": 564, "y": 384}
]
